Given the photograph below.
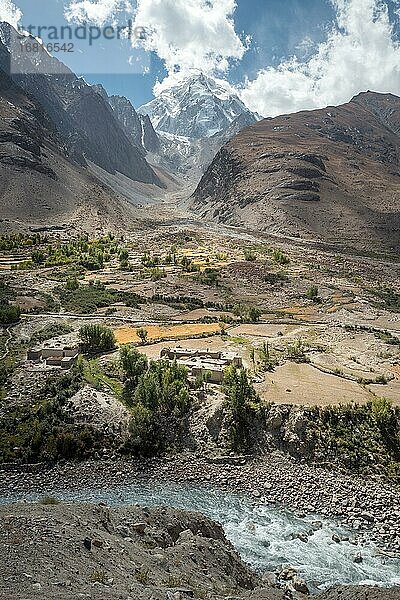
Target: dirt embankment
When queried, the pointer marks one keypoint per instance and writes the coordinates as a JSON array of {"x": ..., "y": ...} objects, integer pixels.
[{"x": 91, "y": 551}]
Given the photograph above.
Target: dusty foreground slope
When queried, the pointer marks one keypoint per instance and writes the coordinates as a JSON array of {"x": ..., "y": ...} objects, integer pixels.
[
  {"x": 331, "y": 175},
  {"x": 88, "y": 551},
  {"x": 91, "y": 551}
]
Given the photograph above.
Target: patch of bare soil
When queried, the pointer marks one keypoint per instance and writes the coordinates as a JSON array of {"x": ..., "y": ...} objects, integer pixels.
[
  {"x": 303, "y": 384},
  {"x": 92, "y": 551}
]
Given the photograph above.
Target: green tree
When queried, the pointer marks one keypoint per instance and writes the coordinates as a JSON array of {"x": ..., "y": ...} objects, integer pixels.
[
  {"x": 222, "y": 328},
  {"x": 247, "y": 313},
  {"x": 143, "y": 437},
  {"x": 267, "y": 361},
  {"x": 134, "y": 365},
  {"x": 241, "y": 400},
  {"x": 97, "y": 338},
  {"x": 142, "y": 335},
  {"x": 160, "y": 405}
]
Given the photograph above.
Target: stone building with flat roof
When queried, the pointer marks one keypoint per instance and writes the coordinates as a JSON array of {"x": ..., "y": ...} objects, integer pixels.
[{"x": 203, "y": 362}]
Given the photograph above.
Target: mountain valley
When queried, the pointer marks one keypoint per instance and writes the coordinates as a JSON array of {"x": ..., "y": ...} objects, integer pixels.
[{"x": 199, "y": 308}]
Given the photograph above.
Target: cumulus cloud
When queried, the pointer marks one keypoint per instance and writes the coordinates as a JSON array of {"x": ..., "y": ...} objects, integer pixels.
[
  {"x": 10, "y": 13},
  {"x": 188, "y": 35},
  {"x": 98, "y": 12},
  {"x": 360, "y": 53}
]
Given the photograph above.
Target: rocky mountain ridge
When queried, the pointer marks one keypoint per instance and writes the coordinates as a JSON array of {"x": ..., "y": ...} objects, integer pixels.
[
  {"x": 197, "y": 107},
  {"x": 329, "y": 175},
  {"x": 82, "y": 117},
  {"x": 138, "y": 128},
  {"x": 40, "y": 185}
]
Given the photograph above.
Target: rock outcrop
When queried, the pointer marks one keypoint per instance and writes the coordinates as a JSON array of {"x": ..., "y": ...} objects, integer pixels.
[
  {"x": 72, "y": 551},
  {"x": 60, "y": 551}
]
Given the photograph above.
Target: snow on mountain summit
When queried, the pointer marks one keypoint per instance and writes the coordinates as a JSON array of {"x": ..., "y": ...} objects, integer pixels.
[{"x": 197, "y": 107}]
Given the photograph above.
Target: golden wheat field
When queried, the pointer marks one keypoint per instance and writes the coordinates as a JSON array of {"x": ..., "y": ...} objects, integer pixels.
[{"x": 126, "y": 335}]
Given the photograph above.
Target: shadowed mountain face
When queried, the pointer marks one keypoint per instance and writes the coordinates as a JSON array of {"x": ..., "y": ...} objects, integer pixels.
[
  {"x": 137, "y": 128},
  {"x": 82, "y": 116},
  {"x": 330, "y": 175},
  {"x": 40, "y": 186}
]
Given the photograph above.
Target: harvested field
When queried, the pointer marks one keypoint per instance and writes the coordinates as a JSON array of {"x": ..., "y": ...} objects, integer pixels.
[
  {"x": 126, "y": 335},
  {"x": 303, "y": 384}
]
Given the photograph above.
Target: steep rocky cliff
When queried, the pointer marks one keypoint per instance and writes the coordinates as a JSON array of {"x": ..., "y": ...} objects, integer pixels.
[
  {"x": 82, "y": 116},
  {"x": 40, "y": 186}
]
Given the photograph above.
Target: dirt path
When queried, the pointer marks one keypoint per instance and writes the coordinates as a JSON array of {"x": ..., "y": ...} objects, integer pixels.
[{"x": 7, "y": 344}]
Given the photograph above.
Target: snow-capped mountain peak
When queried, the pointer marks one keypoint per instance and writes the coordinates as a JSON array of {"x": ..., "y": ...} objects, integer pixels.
[{"x": 197, "y": 107}]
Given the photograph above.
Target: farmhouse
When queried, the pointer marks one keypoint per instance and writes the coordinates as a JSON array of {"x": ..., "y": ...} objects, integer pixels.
[
  {"x": 203, "y": 362},
  {"x": 55, "y": 354}
]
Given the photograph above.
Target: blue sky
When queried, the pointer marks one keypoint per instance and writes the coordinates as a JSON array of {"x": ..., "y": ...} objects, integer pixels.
[
  {"x": 276, "y": 28},
  {"x": 341, "y": 47}
]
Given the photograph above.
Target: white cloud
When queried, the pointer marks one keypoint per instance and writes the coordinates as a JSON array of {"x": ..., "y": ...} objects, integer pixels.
[
  {"x": 10, "y": 13},
  {"x": 360, "y": 53},
  {"x": 190, "y": 35},
  {"x": 96, "y": 11}
]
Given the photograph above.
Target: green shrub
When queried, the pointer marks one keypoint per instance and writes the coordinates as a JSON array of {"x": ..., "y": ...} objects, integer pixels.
[
  {"x": 390, "y": 299},
  {"x": 312, "y": 293},
  {"x": 40, "y": 431},
  {"x": 50, "y": 331},
  {"x": 365, "y": 438},
  {"x": 209, "y": 277},
  {"x": 88, "y": 298},
  {"x": 249, "y": 255},
  {"x": 9, "y": 314},
  {"x": 280, "y": 257},
  {"x": 97, "y": 338},
  {"x": 99, "y": 576}
]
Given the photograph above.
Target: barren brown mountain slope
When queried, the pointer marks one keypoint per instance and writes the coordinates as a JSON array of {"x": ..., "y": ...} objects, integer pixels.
[
  {"x": 330, "y": 174},
  {"x": 39, "y": 185}
]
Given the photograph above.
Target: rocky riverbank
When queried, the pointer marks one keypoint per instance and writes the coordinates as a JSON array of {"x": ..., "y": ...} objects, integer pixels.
[
  {"x": 370, "y": 508},
  {"x": 91, "y": 551}
]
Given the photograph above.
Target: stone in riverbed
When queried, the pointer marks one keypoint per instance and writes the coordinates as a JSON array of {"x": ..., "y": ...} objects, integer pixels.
[
  {"x": 300, "y": 585},
  {"x": 139, "y": 527}
]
